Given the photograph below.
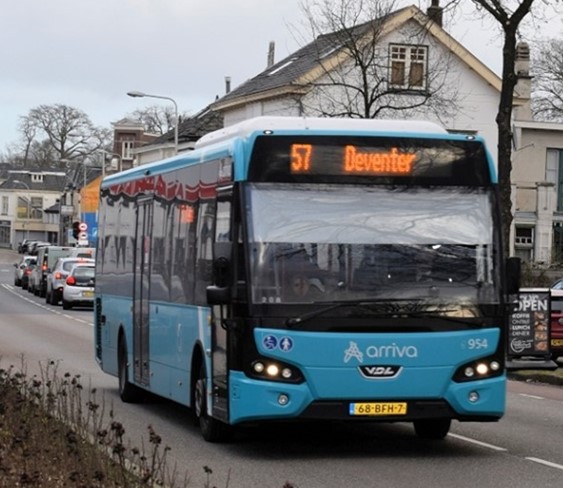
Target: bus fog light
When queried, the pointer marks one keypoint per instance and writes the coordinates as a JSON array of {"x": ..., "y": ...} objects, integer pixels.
[
  {"x": 482, "y": 368},
  {"x": 473, "y": 396},
  {"x": 495, "y": 365},
  {"x": 259, "y": 367},
  {"x": 469, "y": 372},
  {"x": 283, "y": 399},
  {"x": 286, "y": 373},
  {"x": 272, "y": 370}
]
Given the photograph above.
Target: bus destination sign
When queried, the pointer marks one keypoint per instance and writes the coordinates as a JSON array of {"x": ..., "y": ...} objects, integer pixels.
[
  {"x": 356, "y": 160},
  {"x": 366, "y": 160}
]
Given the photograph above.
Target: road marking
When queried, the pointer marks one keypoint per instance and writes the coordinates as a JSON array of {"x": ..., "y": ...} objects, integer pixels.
[
  {"x": 545, "y": 463},
  {"x": 535, "y": 397},
  {"x": 12, "y": 290},
  {"x": 479, "y": 443}
]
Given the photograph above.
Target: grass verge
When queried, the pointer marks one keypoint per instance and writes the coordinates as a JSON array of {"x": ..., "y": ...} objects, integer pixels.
[{"x": 53, "y": 434}]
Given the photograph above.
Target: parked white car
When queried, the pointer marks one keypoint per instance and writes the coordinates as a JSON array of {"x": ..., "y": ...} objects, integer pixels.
[
  {"x": 56, "y": 278},
  {"x": 79, "y": 287}
]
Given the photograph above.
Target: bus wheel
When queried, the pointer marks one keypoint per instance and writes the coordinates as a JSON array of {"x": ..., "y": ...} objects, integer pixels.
[
  {"x": 212, "y": 430},
  {"x": 432, "y": 428},
  {"x": 128, "y": 392}
]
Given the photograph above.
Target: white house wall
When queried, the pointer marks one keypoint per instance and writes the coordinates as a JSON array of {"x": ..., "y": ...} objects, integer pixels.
[{"x": 534, "y": 187}]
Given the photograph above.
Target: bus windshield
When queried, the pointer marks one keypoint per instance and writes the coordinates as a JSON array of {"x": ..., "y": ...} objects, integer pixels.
[{"x": 330, "y": 243}]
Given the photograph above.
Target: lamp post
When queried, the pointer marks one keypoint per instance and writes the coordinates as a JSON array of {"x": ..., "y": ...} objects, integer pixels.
[
  {"x": 138, "y": 94},
  {"x": 28, "y": 205}
]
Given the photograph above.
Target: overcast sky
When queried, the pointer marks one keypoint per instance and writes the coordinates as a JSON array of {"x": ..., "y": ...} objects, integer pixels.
[{"x": 88, "y": 53}]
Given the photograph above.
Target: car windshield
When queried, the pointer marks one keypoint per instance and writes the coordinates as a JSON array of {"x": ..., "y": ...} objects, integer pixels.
[{"x": 329, "y": 243}]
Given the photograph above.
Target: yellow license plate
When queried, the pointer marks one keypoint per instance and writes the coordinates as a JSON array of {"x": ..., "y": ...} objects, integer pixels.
[
  {"x": 378, "y": 408},
  {"x": 556, "y": 342},
  {"x": 88, "y": 294}
]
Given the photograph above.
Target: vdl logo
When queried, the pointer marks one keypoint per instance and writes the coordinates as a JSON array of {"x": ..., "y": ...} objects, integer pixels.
[{"x": 380, "y": 371}]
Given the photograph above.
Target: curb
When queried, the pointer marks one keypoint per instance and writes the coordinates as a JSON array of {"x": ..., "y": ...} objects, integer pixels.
[{"x": 537, "y": 377}]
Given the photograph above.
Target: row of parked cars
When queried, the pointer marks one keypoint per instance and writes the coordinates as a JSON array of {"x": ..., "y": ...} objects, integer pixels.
[
  {"x": 60, "y": 274},
  {"x": 31, "y": 246}
]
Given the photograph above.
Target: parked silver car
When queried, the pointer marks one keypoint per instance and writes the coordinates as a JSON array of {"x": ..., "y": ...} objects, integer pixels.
[
  {"x": 57, "y": 276},
  {"x": 79, "y": 287},
  {"x": 20, "y": 268}
]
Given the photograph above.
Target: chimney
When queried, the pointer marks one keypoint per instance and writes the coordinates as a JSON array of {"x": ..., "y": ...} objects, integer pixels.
[
  {"x": 434, "y": 12},
  {"x": 522, "y": 59},
  {"x": 524, "y": 81},
  {"x": 271, "y": 54},
  {"x": 227, "y": 84}
]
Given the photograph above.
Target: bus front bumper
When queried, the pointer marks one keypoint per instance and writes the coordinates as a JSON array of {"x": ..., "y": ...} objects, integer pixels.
[{"x": 255, "y": 400}]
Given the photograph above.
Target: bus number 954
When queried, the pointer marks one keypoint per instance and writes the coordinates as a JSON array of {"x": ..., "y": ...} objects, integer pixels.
[{"x": 477, "y": 343}]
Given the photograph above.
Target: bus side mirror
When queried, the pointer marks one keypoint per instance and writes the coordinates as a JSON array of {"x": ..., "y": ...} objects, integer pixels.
[{"x": 513, "y": 275}]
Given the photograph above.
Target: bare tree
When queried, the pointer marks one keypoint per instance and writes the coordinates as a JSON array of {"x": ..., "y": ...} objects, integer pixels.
[
  {"x": 354, "y": 78},
  {"x": 28, "y": 132},
  {"x": 68, "y": 133},
  {"x": 157, "y": 119},
  {"x": 548, "y": 81}
]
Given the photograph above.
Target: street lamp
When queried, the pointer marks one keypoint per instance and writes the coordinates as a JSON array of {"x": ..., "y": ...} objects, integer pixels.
[
  {"x": 138, "y": 94},
  {"x": 28, "y": 205}
]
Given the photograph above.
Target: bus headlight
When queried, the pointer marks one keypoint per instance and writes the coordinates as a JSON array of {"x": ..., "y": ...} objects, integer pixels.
[
  {"x": 268, "y": 369},
  {"x": 479, "y": 369}
]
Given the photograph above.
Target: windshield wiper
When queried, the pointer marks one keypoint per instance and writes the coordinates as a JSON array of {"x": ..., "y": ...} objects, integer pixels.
[
  {"x": 402, "y": 312},
  {"x": 340, "y": 304}
]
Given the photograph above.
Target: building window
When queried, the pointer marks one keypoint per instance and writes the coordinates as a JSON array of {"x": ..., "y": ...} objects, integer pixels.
[
  {"x": 524, "y": 236},
  {"x": 127, "y": 149},
  {"x": 554, "y": 173},
  {"x": 36, "y": 178},
  {"x": 524, "y": 243},
  {"x": 5, "y": 205},
  {"x": 407, "y": 67}
]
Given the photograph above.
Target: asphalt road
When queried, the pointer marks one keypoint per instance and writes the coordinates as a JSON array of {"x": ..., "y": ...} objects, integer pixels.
[{"x": 522, "y": 450}]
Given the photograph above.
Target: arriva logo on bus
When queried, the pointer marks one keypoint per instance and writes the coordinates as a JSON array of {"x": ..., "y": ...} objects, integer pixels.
[{"x": 385, "y": 351}]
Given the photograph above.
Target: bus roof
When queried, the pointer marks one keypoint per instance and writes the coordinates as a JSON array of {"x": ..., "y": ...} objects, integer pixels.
[{"x": 269, "y": 123}]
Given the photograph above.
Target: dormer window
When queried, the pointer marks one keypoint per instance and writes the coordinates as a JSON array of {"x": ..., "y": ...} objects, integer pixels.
[
  {"x": 407, "y": 67},
  {"x": 36, "y": 178}
]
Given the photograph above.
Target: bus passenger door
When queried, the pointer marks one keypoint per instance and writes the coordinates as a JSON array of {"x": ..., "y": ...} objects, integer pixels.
[
  {"x": 219, "y": 339},
  {"x": 141, "y": 291}
]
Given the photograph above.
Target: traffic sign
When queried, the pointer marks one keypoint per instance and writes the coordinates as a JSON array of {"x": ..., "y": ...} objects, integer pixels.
[
  {"x": 82, "y": 236},
  {"x": 83, "y": 226}
]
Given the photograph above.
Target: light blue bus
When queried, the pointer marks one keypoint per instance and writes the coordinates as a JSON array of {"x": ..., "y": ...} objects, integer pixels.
[{"x": 300, "y": 268}]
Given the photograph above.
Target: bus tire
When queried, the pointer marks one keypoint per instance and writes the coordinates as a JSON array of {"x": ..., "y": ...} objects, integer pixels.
[
  {"x": 212, "y": 430},
  {"x": 432, "y": 428},
  {"x": 128, "y": 392}
]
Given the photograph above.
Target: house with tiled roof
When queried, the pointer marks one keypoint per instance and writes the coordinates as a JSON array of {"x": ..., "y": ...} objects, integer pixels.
[{"x": 417, "y": 61}]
